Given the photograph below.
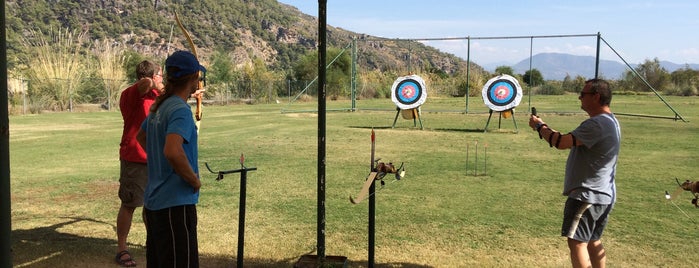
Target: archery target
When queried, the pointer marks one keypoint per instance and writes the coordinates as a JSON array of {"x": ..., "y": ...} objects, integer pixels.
[
  {"x": 502, "y": 93},
  {"x": 409, "y": 92}
]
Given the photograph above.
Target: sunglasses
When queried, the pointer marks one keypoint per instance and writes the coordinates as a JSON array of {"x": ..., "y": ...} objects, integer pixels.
[{"x": 583, "y": 93}]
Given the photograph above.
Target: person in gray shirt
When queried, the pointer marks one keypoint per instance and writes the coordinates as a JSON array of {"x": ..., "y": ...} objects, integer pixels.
[{"x": 590, "y": 173}]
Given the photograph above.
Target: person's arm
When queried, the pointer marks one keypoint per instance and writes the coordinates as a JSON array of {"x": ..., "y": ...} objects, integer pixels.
[
  {"x": 175, "y": 154},
  {"x": 553, "y": 137},
  {"x": 145, "y": 84}
]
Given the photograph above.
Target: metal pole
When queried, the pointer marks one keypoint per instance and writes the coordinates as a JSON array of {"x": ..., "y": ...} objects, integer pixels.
[
  {"x": 468, "y": 70},
  {"x": 485, "y": 160},
  {"x": 410, "y": 71},
  {"x": 475, "y": 171},
  {"x": 5, "y": 210},
  {"x": 354, "y": 74},
  {"x": 597, "y": 58},
  {"x": 241, "y": 217},
  {"x": 322, "y": 23},
  {"x": 531, "y": 50},
  {"x": 372, "y": 207}
]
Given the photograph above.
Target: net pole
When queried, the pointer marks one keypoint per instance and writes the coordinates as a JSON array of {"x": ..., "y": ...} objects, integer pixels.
[
  {"x": 597, "y": 57},
  {"x": 322, "y": 54},
  {"x": 468, "y": 70}
]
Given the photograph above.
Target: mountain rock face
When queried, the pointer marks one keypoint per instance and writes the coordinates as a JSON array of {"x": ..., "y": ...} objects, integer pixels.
[{"x": 276, "y": 33}]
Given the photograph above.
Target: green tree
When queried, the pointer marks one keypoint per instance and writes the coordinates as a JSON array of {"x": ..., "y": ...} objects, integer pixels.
[
  {"x": 685, "y": 77},
  {"x": 337, "y": 74},
  {"x": 655, "y": 75},
  {"x": 573, "y": 84},
  {"x": 504, "y": 70},
  {"x": 258, "y": 82},
  {"x": 131, "y": 60},
  {"x": 220, "y": 74},
  {"x": 685, "y": 81},
  {"x": 533, "y": 78}
]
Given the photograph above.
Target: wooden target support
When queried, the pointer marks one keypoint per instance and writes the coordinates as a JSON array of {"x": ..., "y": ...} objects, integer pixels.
[
  {"x": 408, "y": 114},
  {"x": 506, "y": 114}
]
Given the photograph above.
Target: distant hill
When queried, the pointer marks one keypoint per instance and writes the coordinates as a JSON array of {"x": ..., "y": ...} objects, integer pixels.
[{"x": 555, "y": 66}]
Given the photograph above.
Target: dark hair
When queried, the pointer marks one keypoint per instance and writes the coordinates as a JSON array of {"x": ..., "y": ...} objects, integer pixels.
[
  {"x": 146, "y": 69},
  {"x": 601, "y": 87},
  {"x": 173, "y": 85}
]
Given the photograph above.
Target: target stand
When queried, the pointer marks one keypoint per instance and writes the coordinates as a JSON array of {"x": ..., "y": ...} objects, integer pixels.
[
  {"x": 505, "y": 114},
  {"x": 413, "y": 114},
  {"x": 409, "y": 93},
  {"x": 502, "y": 94}
]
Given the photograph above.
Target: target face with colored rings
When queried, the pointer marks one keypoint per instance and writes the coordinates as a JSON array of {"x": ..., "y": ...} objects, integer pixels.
[
  {"x": 409, "y": 92},
  {"x": 502, "y": 93}
]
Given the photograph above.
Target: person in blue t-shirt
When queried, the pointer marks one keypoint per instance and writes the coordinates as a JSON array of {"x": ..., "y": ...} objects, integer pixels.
[
  {"x": 169, "y": 136},
  {"x": 590, "y": 173}
]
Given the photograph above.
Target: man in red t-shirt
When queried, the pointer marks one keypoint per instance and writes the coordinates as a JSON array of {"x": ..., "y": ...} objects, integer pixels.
[{"x": 135, "y": 104}]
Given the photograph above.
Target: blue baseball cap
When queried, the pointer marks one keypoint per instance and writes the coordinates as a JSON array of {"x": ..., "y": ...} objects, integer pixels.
[{"x": 185, "y": 61}]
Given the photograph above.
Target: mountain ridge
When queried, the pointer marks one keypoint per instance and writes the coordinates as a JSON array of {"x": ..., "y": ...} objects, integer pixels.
[{"x": 556, "y": 66}]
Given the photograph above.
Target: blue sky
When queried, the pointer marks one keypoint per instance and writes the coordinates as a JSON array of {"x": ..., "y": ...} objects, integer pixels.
[{"x": 637, "y": 29}]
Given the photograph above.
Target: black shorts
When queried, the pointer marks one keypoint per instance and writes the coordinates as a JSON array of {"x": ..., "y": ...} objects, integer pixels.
[
  {"x": 584, "y": 222},
  {"x": 171, "y": 239}
]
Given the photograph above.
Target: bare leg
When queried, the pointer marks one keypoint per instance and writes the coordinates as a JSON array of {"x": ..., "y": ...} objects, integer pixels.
[
  {"x": 123, "y": 227},
  {"x": 579, "y": 256},
  {"x": 598, "y": 256}
]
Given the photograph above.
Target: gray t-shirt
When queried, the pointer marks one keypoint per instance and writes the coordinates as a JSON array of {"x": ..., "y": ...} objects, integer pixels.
[{"x": 591, "y": 168}]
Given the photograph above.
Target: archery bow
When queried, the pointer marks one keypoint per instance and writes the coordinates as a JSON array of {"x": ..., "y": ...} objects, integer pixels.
[
  {"x": 200, "y": 86},
  {"x": 378, "y": 171}
]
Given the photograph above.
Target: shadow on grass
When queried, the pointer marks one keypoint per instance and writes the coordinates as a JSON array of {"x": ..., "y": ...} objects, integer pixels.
[
  {"x": 372, "y": 127},
  {"x": 465, "y": 130},
  {"x": 48, "y": 246}
]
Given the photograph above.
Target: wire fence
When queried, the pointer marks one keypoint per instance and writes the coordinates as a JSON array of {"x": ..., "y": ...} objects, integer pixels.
[{"x": 91, "y": 94}]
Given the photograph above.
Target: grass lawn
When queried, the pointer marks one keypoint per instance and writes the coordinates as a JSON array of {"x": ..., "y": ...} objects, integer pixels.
[{"x": 64, "y": 179}]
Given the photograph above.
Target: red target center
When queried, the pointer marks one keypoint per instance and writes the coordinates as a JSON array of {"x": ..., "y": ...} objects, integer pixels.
[
  {"x": 408, "y": 92},
  {"x": 501, "y": 92}
]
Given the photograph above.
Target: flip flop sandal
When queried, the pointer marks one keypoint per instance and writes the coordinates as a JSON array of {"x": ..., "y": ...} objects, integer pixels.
[{"x": 128, "y": 262}]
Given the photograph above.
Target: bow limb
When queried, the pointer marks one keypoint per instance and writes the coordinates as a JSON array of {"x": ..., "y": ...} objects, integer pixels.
[{"x": 200, "y": 86}]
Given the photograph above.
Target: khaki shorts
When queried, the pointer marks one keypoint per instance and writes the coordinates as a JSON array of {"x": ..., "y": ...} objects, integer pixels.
[{"x": 132, "y": 183}]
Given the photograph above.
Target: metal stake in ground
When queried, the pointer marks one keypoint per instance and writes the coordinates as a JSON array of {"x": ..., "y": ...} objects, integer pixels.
[
  {"x": 485, "y": 160},
  {"x": 241, "y": 209},
  {"x": 467, "y": 159},
  {"x": 475, "y": 171}
]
